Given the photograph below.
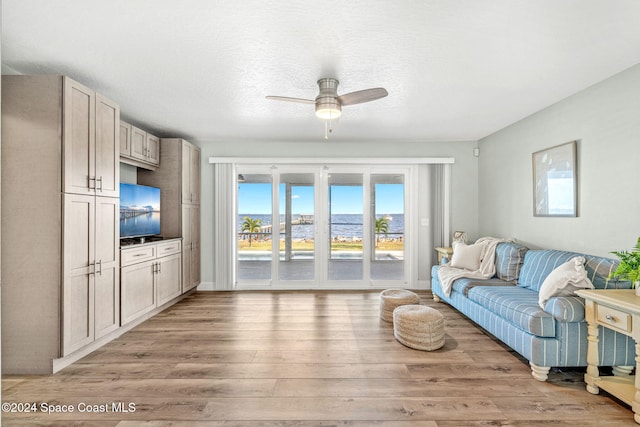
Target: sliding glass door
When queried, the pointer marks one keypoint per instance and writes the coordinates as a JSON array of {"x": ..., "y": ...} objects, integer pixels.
[{"x": 321, "y": 226}]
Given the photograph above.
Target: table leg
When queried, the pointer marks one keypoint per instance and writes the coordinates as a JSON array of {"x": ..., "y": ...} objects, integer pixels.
[{"x": 593, "y": 374}]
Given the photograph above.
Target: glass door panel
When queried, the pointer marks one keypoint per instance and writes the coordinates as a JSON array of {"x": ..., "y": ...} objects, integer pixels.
[
  {"x": 387, "y": 210},
  {"x": 297, "y": 227},
  {"x": 254, "y": 227},
  {"x": 346, "y": 230}
]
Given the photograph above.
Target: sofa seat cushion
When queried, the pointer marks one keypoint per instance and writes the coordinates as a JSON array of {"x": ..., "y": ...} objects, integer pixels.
[
  {"x": 464, "y": 284},
  {"x": 517, "y": 306}
]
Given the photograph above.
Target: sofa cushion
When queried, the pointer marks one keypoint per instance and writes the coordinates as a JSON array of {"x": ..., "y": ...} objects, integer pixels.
[
  {"x": 538, "y": 264},
  {"x": 464, "y": 284},
  {"x": 516, "y": 305},
  {"x": 598, "y": 270},
  {"x": 509, "y": 259}
]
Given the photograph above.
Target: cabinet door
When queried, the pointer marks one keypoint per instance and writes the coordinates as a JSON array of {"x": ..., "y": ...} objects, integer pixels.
[
  {"x": 186, "y": 172},
  {"x": 78, "y": 272},
  {"x": 107, "y": 147},
  {"x": 186, "y": 267},
  {"x": 125, "y": 139},
  {"x": 78, "y": 138},
  {"x": 195, "y": 243},
  {"x": 138, "y": 290},
  {"x": 138, "y": 141},
  {"x": 107, "y": 277},
  {"x": 153, "y": 149},
  {"x": 194, "y": 174},
  {"x": 168, "y": 278}
]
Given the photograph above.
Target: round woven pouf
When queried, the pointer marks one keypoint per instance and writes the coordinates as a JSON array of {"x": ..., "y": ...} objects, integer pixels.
[
  {"x": 392, "y": 298},
  {"x": 419, "y": 327}
]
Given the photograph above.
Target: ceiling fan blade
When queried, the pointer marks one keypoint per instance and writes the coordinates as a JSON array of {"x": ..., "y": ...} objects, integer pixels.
[
  {"x": 361, "y": 96},
  {"x": 289, "y": 99}
]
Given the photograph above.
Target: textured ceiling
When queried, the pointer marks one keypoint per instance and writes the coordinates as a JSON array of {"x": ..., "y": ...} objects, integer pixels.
[{"x": 454, "y": 69}]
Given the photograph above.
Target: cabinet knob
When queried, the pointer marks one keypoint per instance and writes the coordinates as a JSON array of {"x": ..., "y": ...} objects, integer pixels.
[{"x": 610, "y": 318}]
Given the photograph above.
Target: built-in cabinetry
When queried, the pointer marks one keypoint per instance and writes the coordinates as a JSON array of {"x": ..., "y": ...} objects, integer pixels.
[
  {"x": 138, "y": 147},
  {"x": 179, "y": 179},
  {"x": 60, "y": 189},
  {"x": 150, "y": 277}
]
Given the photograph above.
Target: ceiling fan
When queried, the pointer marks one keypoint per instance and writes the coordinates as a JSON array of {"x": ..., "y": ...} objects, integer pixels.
[{"x": 329, "y": 103}]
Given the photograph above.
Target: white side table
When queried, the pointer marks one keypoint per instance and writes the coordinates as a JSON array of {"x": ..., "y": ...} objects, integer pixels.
[{"x": 619, "y": 310}]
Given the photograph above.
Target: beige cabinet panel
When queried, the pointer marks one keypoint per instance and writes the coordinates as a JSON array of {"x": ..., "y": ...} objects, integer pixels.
[
  {"x": 194, "y": 174},
  {"x": 137, "y": 284},
  {"x": 138, "y": 144},
  {"x": 153, "y": 149},
  {"x": 107, "y": 277},
  {"x": 107, "y": 301},
  {"x": 78, "y": 138},
  {"x": 78, "y": 271},
  {"x": 125, "y": 139},
  {"x": 107, "y": 159},
  {"x": 190, "y": 173},
  {"x": 168, "y": 278},
  {"x": 149, "y": 268}
]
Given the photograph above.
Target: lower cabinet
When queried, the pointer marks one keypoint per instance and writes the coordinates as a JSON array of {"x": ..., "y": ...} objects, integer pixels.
[{"x": 151, "y": 275}]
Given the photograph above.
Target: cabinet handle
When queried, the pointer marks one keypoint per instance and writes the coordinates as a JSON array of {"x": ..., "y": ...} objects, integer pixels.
[
  {"x": 159, "y": 268},
  {"x": 99, "y": 179},
  {"x": 610, "y": 318},
  {"x": 137, "y": 255},
  {"x": 94, "y": 183},
  {"x": 92, "y": 268},
  {"x": 100, "y": 271}
]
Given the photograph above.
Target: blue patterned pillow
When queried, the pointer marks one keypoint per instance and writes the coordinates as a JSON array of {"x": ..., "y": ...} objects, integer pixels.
[{"x": 509, "y": 259}]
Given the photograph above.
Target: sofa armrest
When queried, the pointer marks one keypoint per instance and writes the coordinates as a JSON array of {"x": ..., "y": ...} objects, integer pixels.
[{"x": 566, "y": 309}]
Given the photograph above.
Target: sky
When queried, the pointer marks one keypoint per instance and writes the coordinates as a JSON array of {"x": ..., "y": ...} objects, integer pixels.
[
  {"x": 139, "y": 195},
  {"x": 255, "y": 198}
]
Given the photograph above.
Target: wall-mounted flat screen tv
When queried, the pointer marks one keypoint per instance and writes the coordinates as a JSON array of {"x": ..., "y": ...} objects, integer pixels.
[{"x": 139, "y": 210}]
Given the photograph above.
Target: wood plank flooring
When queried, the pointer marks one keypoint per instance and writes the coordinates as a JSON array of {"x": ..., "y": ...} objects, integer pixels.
[{"x": 311, "y": 358}]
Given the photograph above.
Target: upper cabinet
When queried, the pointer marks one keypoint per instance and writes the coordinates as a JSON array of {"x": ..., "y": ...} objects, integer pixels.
[
  {"x": 190, "y": 173},
  {"x": 90, "y": 142},
  {"x": 143, "y": 148},
  {"x": 125, "y": 139}
]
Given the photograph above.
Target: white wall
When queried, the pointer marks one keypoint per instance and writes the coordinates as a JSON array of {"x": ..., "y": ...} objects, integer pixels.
[
  {"x": 605, "y": 119},
  {"x": 464, "y": 174}
]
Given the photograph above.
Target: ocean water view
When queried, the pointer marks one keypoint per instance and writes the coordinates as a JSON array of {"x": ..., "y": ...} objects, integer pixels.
[{"x": 348, "y": 226}]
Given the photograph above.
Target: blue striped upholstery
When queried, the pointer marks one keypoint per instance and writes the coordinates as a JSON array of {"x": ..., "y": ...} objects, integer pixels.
[
  {"x": 464, "y": 284},
  {"x": 516, "y": 326},
  {"x": 566, "y": 309},
  {"x": 509, "y": 259},
  {"x": 538, "y": 264},
  {"x": 517, "y": 306},
  {"x": 598, "y": 271}
]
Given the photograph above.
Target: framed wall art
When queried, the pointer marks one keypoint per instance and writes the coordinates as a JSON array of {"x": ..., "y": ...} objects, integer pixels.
[{"x": 555, "y": 182}]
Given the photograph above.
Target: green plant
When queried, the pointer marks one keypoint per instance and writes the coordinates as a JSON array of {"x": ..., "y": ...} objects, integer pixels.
[
  {"x": 629, "y": 267},
  {"x": 252, "y": 226},
  {"x": 382, "y": 226}
]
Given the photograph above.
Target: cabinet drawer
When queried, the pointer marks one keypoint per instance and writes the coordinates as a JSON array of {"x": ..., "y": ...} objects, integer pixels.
[
  {"x": 133, "y": 256},
  {"x": 613, "y": 318},
  {"x": 169, "y": 248}
]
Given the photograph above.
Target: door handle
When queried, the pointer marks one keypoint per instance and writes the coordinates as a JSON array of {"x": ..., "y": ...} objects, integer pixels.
[{"x": 96, "y": 263}]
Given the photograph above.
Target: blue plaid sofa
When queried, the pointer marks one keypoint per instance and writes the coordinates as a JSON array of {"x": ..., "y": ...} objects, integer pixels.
[{"x": 507, "y": 307}]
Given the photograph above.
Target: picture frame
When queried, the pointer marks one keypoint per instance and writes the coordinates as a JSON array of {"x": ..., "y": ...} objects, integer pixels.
[{"x": 555, "y": 181}]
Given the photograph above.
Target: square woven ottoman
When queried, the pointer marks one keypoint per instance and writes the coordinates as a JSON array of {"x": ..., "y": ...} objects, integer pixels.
[
  {"x": 392, "y": 298},
  {"x": 419, "y": 327}
]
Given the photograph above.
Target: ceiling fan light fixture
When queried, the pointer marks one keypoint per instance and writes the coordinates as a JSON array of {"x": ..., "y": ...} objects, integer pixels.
[{"x": 328, "y": 108}]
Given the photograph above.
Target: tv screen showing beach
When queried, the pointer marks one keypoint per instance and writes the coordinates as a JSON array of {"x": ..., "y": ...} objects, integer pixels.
[{"x": 139, "y": 210}]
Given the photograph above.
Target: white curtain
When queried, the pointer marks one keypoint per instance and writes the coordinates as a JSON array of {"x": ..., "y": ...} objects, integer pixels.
[
  {"x": 224, "y": 236},
  {"x": 441, "y": 190}
]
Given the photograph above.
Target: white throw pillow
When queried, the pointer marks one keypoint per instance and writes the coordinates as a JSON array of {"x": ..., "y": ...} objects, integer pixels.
[
  {"x": 564, "y": 280},
  {"x": 466, "y": 256}
]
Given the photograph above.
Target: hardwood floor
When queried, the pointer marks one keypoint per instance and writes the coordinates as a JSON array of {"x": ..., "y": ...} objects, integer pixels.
[{"x": 318, "y": 358}]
